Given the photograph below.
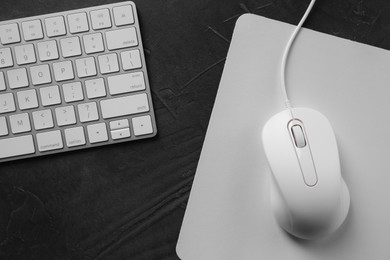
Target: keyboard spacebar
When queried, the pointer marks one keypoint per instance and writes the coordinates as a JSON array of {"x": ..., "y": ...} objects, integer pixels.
[
  {"x": 123, "y": 106},
  {"x": 16, "y": 146}
]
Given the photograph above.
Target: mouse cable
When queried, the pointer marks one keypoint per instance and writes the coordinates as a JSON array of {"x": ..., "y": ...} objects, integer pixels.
[{"x": 286, "y": 54}]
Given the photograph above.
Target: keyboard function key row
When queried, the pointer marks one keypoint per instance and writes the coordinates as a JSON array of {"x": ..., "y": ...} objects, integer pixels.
[{"x": 55, "y": 26}]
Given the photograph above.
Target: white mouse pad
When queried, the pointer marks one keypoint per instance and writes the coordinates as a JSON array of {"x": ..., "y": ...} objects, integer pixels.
[{"x": 228, "y": 214}]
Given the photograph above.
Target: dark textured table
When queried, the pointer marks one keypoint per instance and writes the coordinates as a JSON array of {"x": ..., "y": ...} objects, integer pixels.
[{"x": 127, "y": 201}]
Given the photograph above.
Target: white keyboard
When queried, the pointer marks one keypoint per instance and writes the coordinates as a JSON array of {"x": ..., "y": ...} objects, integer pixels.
[{"x": 73, "y": 80}]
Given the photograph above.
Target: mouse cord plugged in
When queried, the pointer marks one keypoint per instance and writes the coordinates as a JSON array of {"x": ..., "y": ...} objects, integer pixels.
[{"x": 285, "y": 56}]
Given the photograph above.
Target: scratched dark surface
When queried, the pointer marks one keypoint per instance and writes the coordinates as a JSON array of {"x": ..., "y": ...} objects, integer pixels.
[{"x": 127, "y": 201}]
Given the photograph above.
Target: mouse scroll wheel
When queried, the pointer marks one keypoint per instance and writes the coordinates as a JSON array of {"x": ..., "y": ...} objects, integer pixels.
[{"x": 299, "y": 137}]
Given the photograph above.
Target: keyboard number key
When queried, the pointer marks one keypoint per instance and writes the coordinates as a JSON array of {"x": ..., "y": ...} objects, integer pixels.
[
  {"x": 123, "y": 15},
  {"x": 49, "y": 141},
  {"x": 48, "y": 50},
  {"x": 25, "y": 54},
  {"x": 2, "y": 81},
  {"x": 74, "y": 136},
  {"x": 78, "y": 23},
  {"x": 20, "y": 123},
  {"x": 9, "y": 33},
  {"x": 55, "y": 26},
  {"x": 43, "y": 119},
  {"x": 100, "y": 19},
  {"x": 97, "y": 133},
  {"x": 142, "y": 125},
  {"x": 6, "y": 58}
]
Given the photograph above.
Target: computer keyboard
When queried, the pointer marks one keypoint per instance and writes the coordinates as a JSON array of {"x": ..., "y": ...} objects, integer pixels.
[{"x": 73, "y": 80}]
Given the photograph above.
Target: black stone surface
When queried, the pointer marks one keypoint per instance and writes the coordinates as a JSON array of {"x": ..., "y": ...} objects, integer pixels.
[{"x": 127, "y": 201}]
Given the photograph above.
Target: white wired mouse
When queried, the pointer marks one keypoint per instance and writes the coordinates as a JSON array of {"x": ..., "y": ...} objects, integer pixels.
[
  {"x": 309, "y": 197},
  {"x": 308, "y": 194}
]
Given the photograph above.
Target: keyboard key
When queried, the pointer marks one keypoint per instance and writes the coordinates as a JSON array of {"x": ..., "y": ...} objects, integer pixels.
[
  {"x": 43, "y": 119},
  {"x": 125, "y": 83},
  {"x": 25, "y": 54},
  {"x": 3, "y": 126},
  {"x": 72, "y": 92},
  {"x": 78, "y": 23},
  {"x": 27, "y": 99},
  {"x": 121, "y": 38},
  {"x": 6, "y": 58},
  {"x": 40, "y": 74},
  {"x": 88, "y": 112},
  {"x": 93, "y": 43},
  {"x": 119, "y": 124},
  {"x": 65, "y": 115},
  {"x": 16, "y": 146},
  {"x": 123, "y": 106},
  {"x": 7, "y": 103},
  {"x": 49, "y": 141},
  {"x": 120, "y": 133},
  {"x": 55, "y": 26},
  {"x": 2, "y": 81},
  {"x": 70, "y": 47},
  {"x": 100, "y": 19},
  {"x": 32, "y": 30},
  {"x": 9, "y": 33},
  {"x": 131, "y": 60},
  {"x": 97, "y": 133},
  {"x": 50, "y": 95},
  {"x": 48, "y": 50},
  {"x": 142, "y": 125},
  {"x": 17, "y": 78},
  {"x": 120, "y": 129},
  {"x": 86, "y": 67},
  {"x": 20, "y": 123},
  {"x": 123, "y": 15},
  {"x": 75, "y": 136},
  {"x": 108, "y": 63},
  {"x": 95, "y": 88},
  {"x": 63, "y": 70}
]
